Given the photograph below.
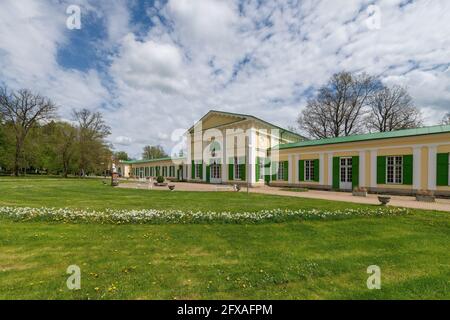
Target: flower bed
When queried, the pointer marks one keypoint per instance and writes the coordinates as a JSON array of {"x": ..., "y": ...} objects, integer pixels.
[{"x": 152, "y": 216}]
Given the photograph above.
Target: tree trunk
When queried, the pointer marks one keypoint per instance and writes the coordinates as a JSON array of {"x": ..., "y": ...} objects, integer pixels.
[
  {"x": 65, "y": 170},
  {"x": 17, "y": 157}
]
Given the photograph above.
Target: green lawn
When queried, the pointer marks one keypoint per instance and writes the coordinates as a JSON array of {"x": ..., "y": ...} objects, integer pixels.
[{"x": 296, "y": 260}]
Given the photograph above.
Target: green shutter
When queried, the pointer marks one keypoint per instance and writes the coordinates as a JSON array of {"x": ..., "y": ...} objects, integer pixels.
[
  {"x": 257, "y": 173},
  {"x": 442, "y": 169},
  {"x": 336, "y": 172},
  {"x": 355, "y": 172},
  {"x": 408, "y": 169},
  {"x": 317, "y": 170},
  {"x": 242, "y": 171},
  {"x": 230, "y": 172},
  {"x": 274, "y": 168},
  {"x": 193, "y": 170},
  {"x": 207, "y": 173},
  {"x": 301, "y": 170},
  {"x": 231, "y": 169},
  {"x": 286, "y": 170},
  {"x": 381, "y": 170},
  {"x": 267, "y": 172}
]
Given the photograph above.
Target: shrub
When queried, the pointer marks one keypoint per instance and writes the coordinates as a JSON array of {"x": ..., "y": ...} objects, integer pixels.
[{"x": 160, "y": 179}]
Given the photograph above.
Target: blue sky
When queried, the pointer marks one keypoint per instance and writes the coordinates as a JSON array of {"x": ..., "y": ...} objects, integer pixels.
[{"x": 154, "y": 67}]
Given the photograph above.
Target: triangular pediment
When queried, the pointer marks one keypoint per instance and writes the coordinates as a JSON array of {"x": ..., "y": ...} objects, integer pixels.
[{"x": 214, "y": 119}]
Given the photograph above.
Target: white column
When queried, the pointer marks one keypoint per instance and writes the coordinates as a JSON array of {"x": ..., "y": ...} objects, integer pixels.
[
  {"x": 224, "y": 157},
  {"x": 204, "y": 169},
  {"x": 321, "y": 169},
  {"x": 417, "y": 164},
  {"x": 297, "y": 159},
  {"x": 362, "y": 168},
  {"x": 290, "y": 169},
  {"x": 330, "y": 169},
  {"x": 252, "y": 155},
  {"x": 188, "y": 157},
  {"x": 373, "y": 168},
  {"x": 432, "y": 158}
]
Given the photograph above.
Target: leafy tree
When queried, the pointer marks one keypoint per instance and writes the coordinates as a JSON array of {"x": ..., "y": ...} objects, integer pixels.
[
  {"x": 153, "y": 152},
  {"x": 121, "y": 155},
  {"x": 92, "y": 131},
  {"x": 61, "y": 141},
  {"x": 23, "y": 110}
]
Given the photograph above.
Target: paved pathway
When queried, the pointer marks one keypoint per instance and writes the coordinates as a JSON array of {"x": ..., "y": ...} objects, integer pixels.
[{"x": 397, "y": 201}]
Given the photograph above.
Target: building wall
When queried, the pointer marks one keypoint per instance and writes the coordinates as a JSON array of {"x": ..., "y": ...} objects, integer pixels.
[
  {"x": 423, "y": 150},
  {"x": 231, "y": 138},
  {"x": 148, "y": 169}
]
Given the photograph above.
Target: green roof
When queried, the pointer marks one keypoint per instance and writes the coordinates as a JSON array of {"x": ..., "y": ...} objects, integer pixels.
[
  {"x": 151, "y": 160},
  {"x": 368, "y": 136}
]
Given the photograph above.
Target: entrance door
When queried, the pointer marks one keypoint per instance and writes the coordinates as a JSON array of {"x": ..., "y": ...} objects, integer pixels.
[
  {"x": 180, "y": 173},
  {"x": 215, "y": 173},
  {"x": 261, "y": 170},
  {"x": 346, "y": 174}
]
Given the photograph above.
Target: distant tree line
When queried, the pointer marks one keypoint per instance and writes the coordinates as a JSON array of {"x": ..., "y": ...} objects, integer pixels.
[
  {"x": 358, "y": 103},
  {"x": 33, "y": 140}
]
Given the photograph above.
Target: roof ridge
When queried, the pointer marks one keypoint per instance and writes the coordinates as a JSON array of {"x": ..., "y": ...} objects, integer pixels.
[
  {"x": 257, "y": 118},
  {"x": 435, "y": 129},
  {"x": 151, "y": 160}
]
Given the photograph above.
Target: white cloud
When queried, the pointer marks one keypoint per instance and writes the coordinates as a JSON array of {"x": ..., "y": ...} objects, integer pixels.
[
  {"x": 123, "y": 141},
  {"x": 31, "y": 34},
  {"x": 256, "y": 57},
  {"x": 149, "y": 65},
  {"x": 203, "y": 21}
]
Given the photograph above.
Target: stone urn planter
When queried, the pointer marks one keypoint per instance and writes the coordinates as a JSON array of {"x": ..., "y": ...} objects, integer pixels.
[
  {"x": 425, "y": 196},
  {"x": 163, "y": 184},
  {"x": 359, "y": 192},
  {"x": 384, "y": 200},
  {"x": 171, "y": 187}
]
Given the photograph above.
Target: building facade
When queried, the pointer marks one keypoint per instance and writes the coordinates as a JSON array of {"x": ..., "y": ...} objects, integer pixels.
[{"x": 235, "y": 148}]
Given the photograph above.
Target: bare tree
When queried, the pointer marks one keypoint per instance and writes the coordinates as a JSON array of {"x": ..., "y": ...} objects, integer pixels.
[
  {"x": 339, "y": 107},
  {"x": 92, "y": 131},
  {"x": 446, "y": 119},
  {"x": 392, "y": 109},
  {"x": 23, "y": 109}
]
